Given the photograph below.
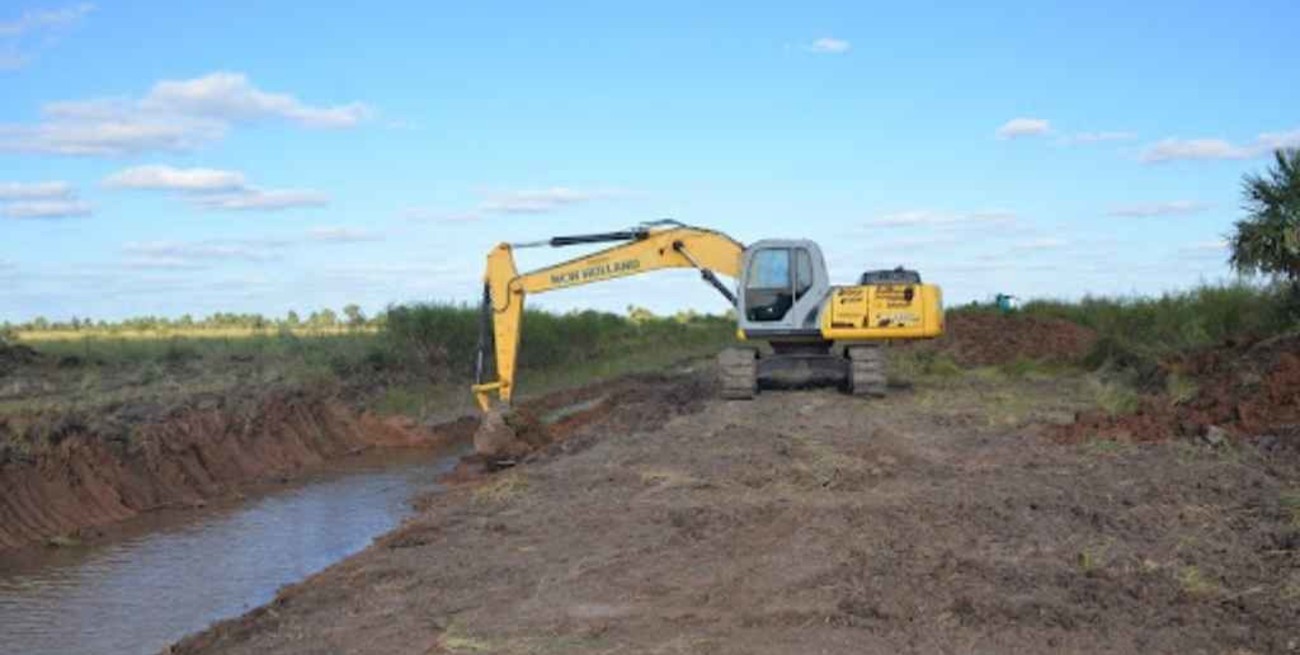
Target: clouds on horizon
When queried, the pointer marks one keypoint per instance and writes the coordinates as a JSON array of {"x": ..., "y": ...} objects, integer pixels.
[
  {"x": 1147, "y": 210},
  {"x": 1176, "y": 149},
  {"x": 525, "y": 201},
  {"x": 341, "y": 234},
  {"x": 41, "y": 200},
  {"x": 175, "y": 115},
  {"x": 937, "y": 218},
  {"x": 213, "y": 189}
]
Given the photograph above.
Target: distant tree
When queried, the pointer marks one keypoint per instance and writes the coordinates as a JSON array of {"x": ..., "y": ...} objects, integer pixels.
[
  {"x": 324, "y": 318},
  {"x": 40, "y": 323},
  {"x": 639, "y": 315},
  {"x": 355, "y": 317},
  {"x": 292, "y": 319},
  {"x": 1268, "y": 240}
]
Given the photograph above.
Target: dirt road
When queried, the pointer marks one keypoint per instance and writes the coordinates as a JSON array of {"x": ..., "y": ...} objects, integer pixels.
[{"x": 941, "y": 519}]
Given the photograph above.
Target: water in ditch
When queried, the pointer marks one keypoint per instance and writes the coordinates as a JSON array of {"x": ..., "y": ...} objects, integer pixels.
[{"x": 172, "y": 574}]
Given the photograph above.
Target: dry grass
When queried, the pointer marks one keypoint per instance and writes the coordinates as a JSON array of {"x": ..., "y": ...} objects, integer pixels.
[{"x": 502, "y": 488}]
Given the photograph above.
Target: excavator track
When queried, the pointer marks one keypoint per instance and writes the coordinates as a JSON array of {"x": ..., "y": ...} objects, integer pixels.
[
  {"x": 867, "y": 370},
  {"x": 738, "y": 370}
]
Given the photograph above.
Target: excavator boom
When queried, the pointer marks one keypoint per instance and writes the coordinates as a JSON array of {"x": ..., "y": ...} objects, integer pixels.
[{"x": 650, "y": 247}]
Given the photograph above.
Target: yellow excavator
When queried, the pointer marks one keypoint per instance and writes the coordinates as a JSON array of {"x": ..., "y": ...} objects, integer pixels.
[{"x": 817, "y": 333}]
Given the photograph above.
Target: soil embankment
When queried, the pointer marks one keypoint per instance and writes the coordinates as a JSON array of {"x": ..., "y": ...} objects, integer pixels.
[
  {"x": 1247, "y": 390},
  {"x": 78, "y": 479},
  {"x": 986, "y": 338}
]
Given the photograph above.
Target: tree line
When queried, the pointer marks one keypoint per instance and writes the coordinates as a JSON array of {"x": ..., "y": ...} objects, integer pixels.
[{"x": 350, "y": 316}]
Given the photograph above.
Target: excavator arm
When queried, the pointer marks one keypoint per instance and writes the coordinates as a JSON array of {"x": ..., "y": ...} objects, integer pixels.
[{"x": 650, "y": 247}]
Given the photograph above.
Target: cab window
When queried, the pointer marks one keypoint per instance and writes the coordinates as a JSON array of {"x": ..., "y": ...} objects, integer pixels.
[
  {"x": 803, "y": 279},
  {"x": 768, "y": 285}
]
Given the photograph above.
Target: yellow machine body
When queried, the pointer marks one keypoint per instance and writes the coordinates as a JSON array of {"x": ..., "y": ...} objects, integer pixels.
[{"x": 883, "y": 311}]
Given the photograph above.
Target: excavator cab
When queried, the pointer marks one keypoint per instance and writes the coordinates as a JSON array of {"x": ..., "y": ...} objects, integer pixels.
[{"x": 782, "y": 285}]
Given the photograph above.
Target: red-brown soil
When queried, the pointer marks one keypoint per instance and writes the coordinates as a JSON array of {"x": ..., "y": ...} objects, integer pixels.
[
  {"x": 989, "y": 339},
  {"x": 83, "y": 479},
  {"x": 1250, "y": 390}
]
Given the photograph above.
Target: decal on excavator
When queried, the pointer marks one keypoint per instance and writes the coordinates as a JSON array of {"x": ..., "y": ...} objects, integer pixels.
[{"x": 603, "y": 270}]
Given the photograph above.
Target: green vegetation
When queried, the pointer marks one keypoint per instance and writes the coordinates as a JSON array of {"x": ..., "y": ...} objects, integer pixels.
[
  {"x": 1268, "y": 240},
  {"x": 417, "y": 360},
  {"x": 1135, "y": 334},
  {"x": 220, "y": 324}
]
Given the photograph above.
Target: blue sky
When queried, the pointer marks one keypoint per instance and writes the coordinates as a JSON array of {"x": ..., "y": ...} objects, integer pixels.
[{"x": 169, "y": 158}]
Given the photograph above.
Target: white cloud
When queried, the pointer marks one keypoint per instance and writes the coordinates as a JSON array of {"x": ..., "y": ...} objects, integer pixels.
[
  {"x": 35, "y": 30},
  {"x": 231, "y": 97},
  {"x": 1033, "y": 245},
  {"x": 1175, "y": 149},
  {"x": 175, "y": 254},
  {"x": 337, "y": 234},
  {"x": 34, "y": 190},
  {"x": 932, "y": 218},
  {"x": 158, "y": 177},
  {"x": 830, "y": 45},
  {"x": 250, "y": 199},
  {"x": 162, "y": 263},
  {"x": 1098, "y": 137},
  {"x": 214, "y": 189},
  {"x": 1171, "y": 208},
  {"x": 1171, "y": 149},
  {"x": 537, "y": 201},
  {"x": 120, "y": 135},
  {"x": 36, "y": 20},
  {"x": 1021, "y": 126},
  {"x": 62, "y": 208},
  {"x": 1206, "y": 248},
  {"x": 1279, "y": 140},
  {"x": 429, "y": 214},
  {"x": 175, "y": 115}
]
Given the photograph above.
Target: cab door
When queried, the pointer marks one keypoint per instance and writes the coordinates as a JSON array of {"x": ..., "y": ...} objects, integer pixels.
[{"x": 783, "y": 283}]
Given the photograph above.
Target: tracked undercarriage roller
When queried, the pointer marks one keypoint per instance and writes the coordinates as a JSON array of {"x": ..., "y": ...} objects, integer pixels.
[{"x": 743, "y": 370}]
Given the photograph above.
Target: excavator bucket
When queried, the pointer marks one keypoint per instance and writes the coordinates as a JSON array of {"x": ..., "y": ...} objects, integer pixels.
[{"x": 496, "y": 439}]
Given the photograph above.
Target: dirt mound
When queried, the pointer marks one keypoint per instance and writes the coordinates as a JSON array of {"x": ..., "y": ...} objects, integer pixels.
[
  {"x": 987, "y": 339},
  {"x": 1245, "y": 390}
]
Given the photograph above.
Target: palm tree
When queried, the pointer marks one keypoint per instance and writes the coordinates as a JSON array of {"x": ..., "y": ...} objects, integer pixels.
[{"x": 1267, "y": 241}]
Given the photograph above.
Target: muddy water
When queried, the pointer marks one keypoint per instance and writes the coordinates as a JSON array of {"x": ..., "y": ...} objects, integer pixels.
[{"x": 167, "y": 576}]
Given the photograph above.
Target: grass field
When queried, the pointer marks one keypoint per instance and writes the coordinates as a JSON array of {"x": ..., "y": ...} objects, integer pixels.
[
  {"x": 419, "y": 364},
  {"x": 418, "y": 359}
]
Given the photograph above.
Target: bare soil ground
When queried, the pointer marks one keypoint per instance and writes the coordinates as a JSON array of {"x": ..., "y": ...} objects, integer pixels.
[{"x": 944, "y": 518}]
